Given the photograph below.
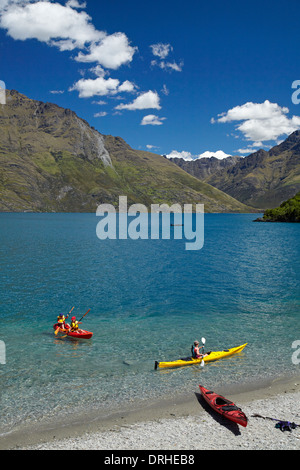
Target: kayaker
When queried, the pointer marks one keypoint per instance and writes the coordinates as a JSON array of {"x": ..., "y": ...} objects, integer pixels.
[
  {"x": 61, "y": 320},
  {"x": 74, "y": 324},
  {"x": 196, "y": 350}
]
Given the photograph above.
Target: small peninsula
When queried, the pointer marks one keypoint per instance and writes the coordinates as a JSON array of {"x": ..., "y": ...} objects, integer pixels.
[{"x": 288, "y": 211}]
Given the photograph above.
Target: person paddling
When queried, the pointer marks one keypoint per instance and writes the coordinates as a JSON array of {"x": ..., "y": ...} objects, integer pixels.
[
  {"x": 196, "y": 350},
  {"x": 61, "y": 320},
  {"x": 74, "y": 324}
]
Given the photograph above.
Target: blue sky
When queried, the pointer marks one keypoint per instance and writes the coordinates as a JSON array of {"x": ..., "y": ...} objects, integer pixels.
[{"x": 172, "y": 77}]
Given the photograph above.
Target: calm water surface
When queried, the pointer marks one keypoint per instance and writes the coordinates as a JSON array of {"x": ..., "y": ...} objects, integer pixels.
[{"x": 149, "y": 300}]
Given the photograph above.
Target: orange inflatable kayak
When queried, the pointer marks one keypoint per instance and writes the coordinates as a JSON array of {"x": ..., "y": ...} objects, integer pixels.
[{"x": 80, "y": 334}]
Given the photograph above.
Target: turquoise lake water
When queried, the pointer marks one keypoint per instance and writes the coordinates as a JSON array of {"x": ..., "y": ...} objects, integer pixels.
[{"x": 149, "y": 300}]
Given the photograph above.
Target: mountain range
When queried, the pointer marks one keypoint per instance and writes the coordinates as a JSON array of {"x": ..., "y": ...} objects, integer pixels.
[
  {"x": 52, "y": 160},
  {"x": 204, "y": 167},
  {"x": 263, "y": 179}
]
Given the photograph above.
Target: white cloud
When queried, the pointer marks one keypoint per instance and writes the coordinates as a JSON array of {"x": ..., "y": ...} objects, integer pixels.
[
  {"x": 253, "y": 111},
  {"x": 187, "y": 156},
  {"x": 261, "y": 121},
  {"x": 269, "y": 129},
  {"x": 66, "y": 28},
  {"x": 165, "y": 90},
  {"x": 99, "y": 71},
  {"x": 100, "y": 102},
  {"x": 219, "y": 154},
  {"x": 173, "y": 66},
  {"x": 161, "y": 50},
  {"x": 254, "y": 146},
  {"x": 111, "y": 52},
  {"x": 56, "y": 92},
  {"x": 53, "y": 23},
  {"x": 101, "y": 114},
  {"x": 168, "y": 65},
  {"x": 152, "y": 120},
  {"x": 100, "y": 87},
  {"x": 4, "y": 4},
  {"x": 127, "y": 86},
  {"x": 76, "y": 4},
  {"x": 147, "y": 100},
  {"x": 246, "y": 150},
  {"x": 151, "y": 147}
]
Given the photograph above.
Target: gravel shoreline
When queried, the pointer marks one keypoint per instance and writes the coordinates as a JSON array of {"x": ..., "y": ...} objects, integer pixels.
[{"x": 195, "y": 426}]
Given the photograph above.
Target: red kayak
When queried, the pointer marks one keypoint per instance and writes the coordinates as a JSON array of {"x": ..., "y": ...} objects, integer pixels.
[
  {"x": 80, "y": 334},
  {"x": 83, "y": 334},
  {"x": 223, "y": 406}
]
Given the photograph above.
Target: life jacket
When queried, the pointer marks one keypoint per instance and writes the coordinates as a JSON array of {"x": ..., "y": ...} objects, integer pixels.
[
  {"x": 74, "y": 325},
  {"x": 195, "y": 354},
  {"x": 61, "y": 319}
]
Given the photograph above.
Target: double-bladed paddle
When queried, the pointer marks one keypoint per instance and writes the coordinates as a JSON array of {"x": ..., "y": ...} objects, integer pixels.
[{"x": 203, "y": 342}]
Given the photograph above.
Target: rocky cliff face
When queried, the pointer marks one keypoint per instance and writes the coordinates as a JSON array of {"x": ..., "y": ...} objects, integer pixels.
[
  {"x": 263, "y": 179},
  {"x": 51, "y": 160},
  {"x": 30, "y": 126},
  {"x": 204, "y": 167}
]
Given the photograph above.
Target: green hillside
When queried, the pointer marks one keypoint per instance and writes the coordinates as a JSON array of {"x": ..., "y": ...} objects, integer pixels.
[{"x": 51, "y": 160}]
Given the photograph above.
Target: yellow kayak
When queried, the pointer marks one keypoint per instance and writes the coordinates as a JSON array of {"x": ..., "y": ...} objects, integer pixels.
[{"x": 211, "y": 356}]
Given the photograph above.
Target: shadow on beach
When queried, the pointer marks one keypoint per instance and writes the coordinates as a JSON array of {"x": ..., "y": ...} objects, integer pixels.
[{"x": 231, "y": 426}]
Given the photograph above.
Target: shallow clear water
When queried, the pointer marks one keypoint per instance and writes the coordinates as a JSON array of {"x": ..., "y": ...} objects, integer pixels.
[{"x": 149, "y": 300}]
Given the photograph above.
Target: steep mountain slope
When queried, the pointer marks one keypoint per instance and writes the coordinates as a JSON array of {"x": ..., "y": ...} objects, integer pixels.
[
  {"x": 151, "y": 178},
  {"x": 51, "y": 160},
  {"x": 263, "y": 179},
  {"x": 204, "y": 167}
]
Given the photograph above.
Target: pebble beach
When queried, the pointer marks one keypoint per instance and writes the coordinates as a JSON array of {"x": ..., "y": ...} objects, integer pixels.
[{"x": 191, "y": 425}]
